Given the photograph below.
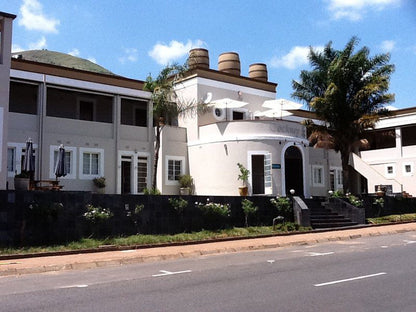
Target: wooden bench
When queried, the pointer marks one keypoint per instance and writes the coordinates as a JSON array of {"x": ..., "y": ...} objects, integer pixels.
[{"x": 47, "y": 185}]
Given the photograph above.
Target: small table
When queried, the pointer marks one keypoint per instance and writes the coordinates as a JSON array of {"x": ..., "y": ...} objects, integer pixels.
[{"x": 47, "y": 185}]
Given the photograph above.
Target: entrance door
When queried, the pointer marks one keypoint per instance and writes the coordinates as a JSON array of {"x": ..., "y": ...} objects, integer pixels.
[
  {"x": 126, "y": 176},
  {"x": 257, "y": 171},
  {"x": 294, "y": 171}
]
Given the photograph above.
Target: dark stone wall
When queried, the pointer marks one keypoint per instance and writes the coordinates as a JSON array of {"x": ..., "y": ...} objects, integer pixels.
[{"x": 50, "y": 217}]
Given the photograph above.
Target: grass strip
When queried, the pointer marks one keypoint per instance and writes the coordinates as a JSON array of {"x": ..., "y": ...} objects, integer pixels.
[{"x": 143, "y": 240}]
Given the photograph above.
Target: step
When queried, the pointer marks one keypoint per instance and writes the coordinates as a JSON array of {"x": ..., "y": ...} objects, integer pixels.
[{"x": 332, "y": 225}]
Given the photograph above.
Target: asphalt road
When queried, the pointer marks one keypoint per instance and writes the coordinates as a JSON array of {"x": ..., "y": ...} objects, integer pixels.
[{"x": 367, "y": 274}]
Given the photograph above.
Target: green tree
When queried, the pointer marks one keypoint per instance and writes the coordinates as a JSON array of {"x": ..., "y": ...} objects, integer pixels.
[
  {"x": 167, "y": 105},
  {"x": 347, "y": 90}
]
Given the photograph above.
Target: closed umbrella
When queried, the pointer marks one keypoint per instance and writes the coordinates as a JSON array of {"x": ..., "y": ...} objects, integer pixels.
[
  {"x": 29, "y": 158},
  {"x": 60, "y": 169}
]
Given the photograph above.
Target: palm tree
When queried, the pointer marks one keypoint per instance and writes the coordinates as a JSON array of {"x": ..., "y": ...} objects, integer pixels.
[
  {"x": 167, "y": 105},
  {"x": 347, "y": 91}
]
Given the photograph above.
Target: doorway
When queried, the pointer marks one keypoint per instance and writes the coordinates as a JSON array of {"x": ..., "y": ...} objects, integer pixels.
[
  {"x": 125, "y": 175},
  {"x": 257, "y": 169},
  {"x": 294, "y": 171}
]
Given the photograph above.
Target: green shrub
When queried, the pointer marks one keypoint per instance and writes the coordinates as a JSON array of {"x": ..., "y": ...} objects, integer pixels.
[
  {"x": 248, "y": 209},
  {"x": 283, "y": 207},
  {"x": 151, "y": 191},
  {"x": 214, "y": 214},
  {"x": 97, "y": 214},
  {"x": 179, "y": 204}
]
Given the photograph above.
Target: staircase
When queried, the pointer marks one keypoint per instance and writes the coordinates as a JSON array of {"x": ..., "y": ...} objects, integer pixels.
[{"x": 322, "y": 217}]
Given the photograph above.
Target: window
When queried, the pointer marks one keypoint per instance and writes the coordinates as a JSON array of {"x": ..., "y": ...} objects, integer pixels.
[
  {"x": 92, "y": 163},
  {"x": 141, "y": 174},
  {"x": 175, "y": 168},
  {"x": 409, "y": 136},
  {"x": 408, "y": 169},
  {"x": 23, "y": 98},
  {"x": 133, "y": 113},
  {"x": 11, "y": 159},
  {"x": 390, "y": 170},
  {"x": 317, "y": 175},
  {"x": 86, "y": 109}
]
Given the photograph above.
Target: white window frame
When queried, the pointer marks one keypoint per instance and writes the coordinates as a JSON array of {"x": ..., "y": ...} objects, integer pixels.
[
  {"x": 182, "y": 169},
  {"x": 73, "y": 161},
  {"x": 386, "y": 170},
  {"x": 412, "y": 169},
  {"x": 314, "y": 169},
  {"x": 18, "y": 148},
  {"x": 99, "y": 151}
]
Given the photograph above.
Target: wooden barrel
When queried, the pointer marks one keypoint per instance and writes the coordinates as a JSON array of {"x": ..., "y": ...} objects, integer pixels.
[
  {"x": 198, "y": 58},
  {"x": 258, "y": 71},
  {"x": 229, "y": 62}
]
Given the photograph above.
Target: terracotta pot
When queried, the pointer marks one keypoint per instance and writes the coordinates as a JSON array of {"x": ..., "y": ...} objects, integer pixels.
[{"x": 243, "y": 190}]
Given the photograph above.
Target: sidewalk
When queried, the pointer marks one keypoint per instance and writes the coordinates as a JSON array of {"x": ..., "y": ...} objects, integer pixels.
[{"x": 112, "y": 258}]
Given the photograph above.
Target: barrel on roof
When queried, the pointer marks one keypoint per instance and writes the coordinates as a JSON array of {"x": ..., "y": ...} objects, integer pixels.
[
  {"x": 198, "y": 58},
  {"x": 229, "y": 62}
]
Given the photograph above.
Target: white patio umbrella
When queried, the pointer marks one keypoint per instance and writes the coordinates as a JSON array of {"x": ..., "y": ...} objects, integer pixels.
[
  {"x": 281, "y": 104},
  {"x": 273, "y": 113},
  {"x": 227, "y": 103}
]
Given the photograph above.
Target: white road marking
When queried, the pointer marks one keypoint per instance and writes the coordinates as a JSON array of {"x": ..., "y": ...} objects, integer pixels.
[
  {"x": 74, "y": 286},
  {"x": 316, "y": 254},
  {"x": 130, "y": 250},
  {"x": 164, "y": 273},
  {"x": 271, "y": 261},
  {"x": 409, "y": 242},
  {"x": 349, "y": 279},
  {"x": 384, "y": 246}
]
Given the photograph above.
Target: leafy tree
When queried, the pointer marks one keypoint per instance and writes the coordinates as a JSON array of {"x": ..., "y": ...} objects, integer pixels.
[
  {"x": 347, "y": 91},
  {"x": 167, "y": 106}
]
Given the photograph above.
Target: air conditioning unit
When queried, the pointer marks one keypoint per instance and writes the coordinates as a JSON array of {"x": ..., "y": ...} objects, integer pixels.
[{"x": 219, "y": 113}]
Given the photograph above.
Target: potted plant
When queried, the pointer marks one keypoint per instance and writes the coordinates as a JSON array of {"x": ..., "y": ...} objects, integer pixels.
[
  {"x": 186, "y": 182},
  {"x": 243, "y": 176},
  {"x": 100, "y": 184},
  {"x": 22, "y": 181}
]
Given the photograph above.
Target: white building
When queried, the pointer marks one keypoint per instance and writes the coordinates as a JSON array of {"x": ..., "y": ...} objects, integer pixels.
[{"x": 105, "y": 123}]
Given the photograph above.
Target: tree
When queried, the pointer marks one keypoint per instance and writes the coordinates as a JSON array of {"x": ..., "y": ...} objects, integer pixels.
[
  {"x": 347, "y": 91},
  {"x": 167, "y": 105}
]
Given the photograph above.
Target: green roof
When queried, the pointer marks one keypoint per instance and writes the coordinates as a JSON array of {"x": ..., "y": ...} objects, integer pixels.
[{"x": 61, "y": 59}]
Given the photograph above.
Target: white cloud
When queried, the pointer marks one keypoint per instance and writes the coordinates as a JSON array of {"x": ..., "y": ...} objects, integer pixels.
[
  {"x": 387, "y": 45},
  {"x": 355, "y": 10},
  {"x": 130, "y": 55},
  {"x": 33, "y": 18},
  {"x": 297, "y": 57},
  {"x": 39, "y": 45},
  {"x": 164, "y": 54},
  {"x": 92, "y": 59},
  {"x": 16, "y": 48},
  {"x": 74, "y": 52}
]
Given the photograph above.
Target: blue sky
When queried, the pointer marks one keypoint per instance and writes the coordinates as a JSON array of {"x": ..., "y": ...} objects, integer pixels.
[{"x": 135, "y": 38}]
